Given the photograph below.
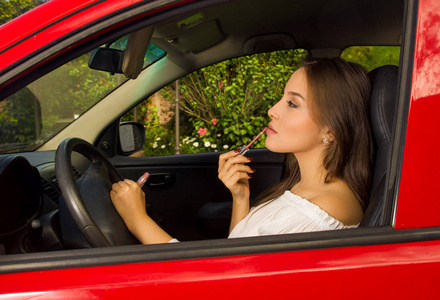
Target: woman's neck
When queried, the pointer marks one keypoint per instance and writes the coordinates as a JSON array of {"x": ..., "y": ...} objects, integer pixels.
[{"x": 312, "y": 171}]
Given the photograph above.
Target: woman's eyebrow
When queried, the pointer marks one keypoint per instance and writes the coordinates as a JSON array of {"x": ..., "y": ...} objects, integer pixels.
[{"x": 291, "y": 93}]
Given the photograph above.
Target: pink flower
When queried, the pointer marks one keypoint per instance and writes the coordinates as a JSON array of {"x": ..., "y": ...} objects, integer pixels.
[
  {"x": 202, "y": 131},
  {"x": 222, "y": 84},
  {"x": 214, "y": 121}
]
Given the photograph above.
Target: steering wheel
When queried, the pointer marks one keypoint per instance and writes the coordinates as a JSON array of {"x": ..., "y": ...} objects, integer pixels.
[{"x": 90, "y": 206}]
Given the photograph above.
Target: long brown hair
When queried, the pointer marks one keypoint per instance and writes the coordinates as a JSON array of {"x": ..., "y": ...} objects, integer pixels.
[{"x": 340, "y": 93}]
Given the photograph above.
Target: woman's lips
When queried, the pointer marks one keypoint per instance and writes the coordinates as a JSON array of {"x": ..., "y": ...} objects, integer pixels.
[{"x": 270, "y": 130}]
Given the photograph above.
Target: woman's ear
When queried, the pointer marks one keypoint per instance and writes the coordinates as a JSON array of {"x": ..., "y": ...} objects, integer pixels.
[{"x": 328, "y": 134}]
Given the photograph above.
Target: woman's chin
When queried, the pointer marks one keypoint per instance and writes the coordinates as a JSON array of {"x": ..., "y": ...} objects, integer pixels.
[{"x": 274, "y": 148}]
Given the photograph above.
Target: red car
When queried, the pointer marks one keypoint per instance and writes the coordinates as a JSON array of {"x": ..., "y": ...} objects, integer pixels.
[{"x": 60, "y": 238}]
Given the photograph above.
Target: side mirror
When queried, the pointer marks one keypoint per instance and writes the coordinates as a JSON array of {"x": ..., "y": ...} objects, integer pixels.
[
  {"x": 131, "y": 137},
  {"x": 106, "y": 59}
]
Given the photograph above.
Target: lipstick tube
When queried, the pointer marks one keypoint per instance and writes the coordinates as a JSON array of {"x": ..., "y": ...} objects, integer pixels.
[{"x": 141, "y": 181}]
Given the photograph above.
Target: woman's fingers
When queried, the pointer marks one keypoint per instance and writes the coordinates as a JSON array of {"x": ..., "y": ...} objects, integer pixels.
[
  {"x": 236, "y": 178},
  {"x": 120, "y": 185},
  {"x": 126, "y": 185},
  {"x": 234, "y": 172},
  {"x": 127, "y": 192},
  {"x": 232, "y": 181},
  {"x": 235, "y": 168},
  {"x": 223, "y": 158},
  {"x": 230, "y": 161}
]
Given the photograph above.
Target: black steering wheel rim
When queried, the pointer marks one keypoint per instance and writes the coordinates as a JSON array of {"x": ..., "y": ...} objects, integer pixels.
[{"x": 72, "y": 196}]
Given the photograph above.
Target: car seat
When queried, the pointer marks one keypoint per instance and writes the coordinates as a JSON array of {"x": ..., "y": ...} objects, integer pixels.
[{"x": 383, "y": 111}]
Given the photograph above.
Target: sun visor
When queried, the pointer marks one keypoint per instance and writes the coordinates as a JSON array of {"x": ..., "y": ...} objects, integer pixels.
[
  {"x": 134, "y": 53},
  {"x": 197, "y": 38}
]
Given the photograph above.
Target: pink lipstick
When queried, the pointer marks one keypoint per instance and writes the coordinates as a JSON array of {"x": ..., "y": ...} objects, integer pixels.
[
  {"x": 245, "y": 149},
  {"x": 141, "y": 181}
]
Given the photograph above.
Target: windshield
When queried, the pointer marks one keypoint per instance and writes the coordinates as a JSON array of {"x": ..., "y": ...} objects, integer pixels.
[{"x": 36, "y": 113}]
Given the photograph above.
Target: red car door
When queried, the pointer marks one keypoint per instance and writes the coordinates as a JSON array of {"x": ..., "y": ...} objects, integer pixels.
[{"x": 401, "y": 260}]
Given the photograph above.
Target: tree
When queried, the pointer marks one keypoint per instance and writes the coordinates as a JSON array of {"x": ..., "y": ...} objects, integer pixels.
[
  {"x": 20, "y": 118},
  {"x": 371, "y": 57},
  {"x": 10, "y": 9}
]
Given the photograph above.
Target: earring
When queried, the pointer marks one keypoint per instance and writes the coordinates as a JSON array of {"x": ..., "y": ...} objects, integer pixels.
[{"x": 325, "y": 141}]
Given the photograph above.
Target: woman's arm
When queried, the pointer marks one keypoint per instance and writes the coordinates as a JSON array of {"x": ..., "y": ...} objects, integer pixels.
[
  {"x": 129, "y": 200},
  {"x": 233, "y": 172},
  {"x": 240, "y": 209}
]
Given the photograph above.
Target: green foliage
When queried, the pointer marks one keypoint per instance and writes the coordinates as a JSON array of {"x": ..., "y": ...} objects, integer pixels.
[
  {"x": 69, "y": 91},
  {"x": 371, "y": 57},
  {"x": 60, "y": 96},
  {"x": 226, "y": 104},
  {"x": 17, "y": 118},
  {"x": 9, "y": 9},
  {"x": 158, "y": 137},
  {"x": 223, "y": 106}
]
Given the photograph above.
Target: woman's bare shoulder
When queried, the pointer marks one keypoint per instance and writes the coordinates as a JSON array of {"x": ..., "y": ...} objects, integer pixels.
[{"x": 338, "y": 200}]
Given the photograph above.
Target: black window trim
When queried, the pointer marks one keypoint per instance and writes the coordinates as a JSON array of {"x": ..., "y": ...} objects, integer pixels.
[{"x": 401, "y": 120}]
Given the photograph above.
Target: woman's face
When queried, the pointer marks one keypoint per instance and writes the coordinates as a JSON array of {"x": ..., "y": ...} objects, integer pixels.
[{"x": 292, "y": 130}]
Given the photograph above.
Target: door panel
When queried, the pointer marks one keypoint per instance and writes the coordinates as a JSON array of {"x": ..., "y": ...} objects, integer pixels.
[
  {"x": 390, "y": 271},
  {"x": 184, "y": 195}
]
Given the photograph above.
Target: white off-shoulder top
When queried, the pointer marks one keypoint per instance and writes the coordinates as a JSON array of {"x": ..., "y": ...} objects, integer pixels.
[{"x": 289, "y": 213}]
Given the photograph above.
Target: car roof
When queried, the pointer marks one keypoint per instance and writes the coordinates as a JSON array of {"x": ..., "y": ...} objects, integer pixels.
[{"x": 243, "y": 27}]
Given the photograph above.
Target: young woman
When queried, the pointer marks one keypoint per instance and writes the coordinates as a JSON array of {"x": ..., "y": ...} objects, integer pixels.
[{"x": 322, "y": 123}]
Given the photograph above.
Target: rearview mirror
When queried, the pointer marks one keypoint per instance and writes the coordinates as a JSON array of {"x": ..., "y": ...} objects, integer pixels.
[
  {"x": 131, "y": 137},
  {"x": 106, "y": 59}
]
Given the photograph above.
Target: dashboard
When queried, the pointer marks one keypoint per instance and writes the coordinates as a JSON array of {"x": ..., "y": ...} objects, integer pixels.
[{"x": 29, "y": 215}]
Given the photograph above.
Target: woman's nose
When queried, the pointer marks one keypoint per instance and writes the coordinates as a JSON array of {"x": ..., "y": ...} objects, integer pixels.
[{"x": 272, "y": 113}]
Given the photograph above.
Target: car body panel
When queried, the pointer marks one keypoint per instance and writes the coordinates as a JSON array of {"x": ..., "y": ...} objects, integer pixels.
[
  {"x": 418, "y": 204},
  {"x": 360, "y": 266},
  {"x": 407, "y": 271},
  {"x": 68, "y": 16}
]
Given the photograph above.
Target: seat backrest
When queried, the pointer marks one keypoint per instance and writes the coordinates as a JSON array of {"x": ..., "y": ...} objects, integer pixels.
[{"x": 383, "y": 109}]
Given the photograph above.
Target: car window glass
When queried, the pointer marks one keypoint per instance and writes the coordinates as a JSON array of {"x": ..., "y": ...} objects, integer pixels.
[
  {"x": 371, "y": 57},
  {"x": 220, "y": 107},
  {"x": 62, "y": 96},
  {"x": 36, "y": 113}
]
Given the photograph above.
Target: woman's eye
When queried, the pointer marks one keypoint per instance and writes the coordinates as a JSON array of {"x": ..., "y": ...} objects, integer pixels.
[{"x": 291, "y": 104}]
